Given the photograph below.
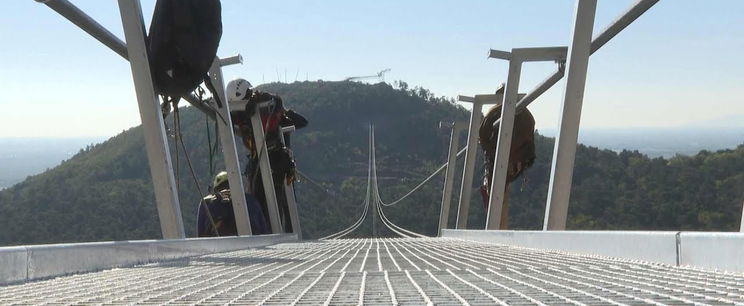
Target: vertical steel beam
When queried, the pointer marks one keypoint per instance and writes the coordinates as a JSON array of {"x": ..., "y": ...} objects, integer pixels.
[
  {"x": 503, "y": 145},
  {"x": 741, "y": 226},
  {"x": 264, "y": 165},
  {"x": 156, "y": 142},
  {"x": 564, "y": 153},
  {"x": 290, "y": 193},
  {"x": 476, "y": 116},
  {"x": 230, "y": 153},
  {"x": 449, "y": 176}
]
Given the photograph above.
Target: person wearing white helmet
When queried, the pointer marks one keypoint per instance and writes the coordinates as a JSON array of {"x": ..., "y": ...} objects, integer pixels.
[{"x": 243, "y": 99}]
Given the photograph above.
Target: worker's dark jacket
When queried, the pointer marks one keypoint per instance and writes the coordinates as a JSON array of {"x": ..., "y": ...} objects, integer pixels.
[
  {"x": 522, "y": 153},
  {"x": 222, "y": 213}
]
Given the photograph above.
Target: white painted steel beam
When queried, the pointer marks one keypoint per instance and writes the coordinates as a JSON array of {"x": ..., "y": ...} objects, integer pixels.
[
  {"x": 231, "y": 60},
  {"x": 31, "y": 262},
  {"x": 289, "y": 191},
  {"x": 264, "y": 165},
  {"x": 90, "y": 26},
  {"x": 449, "y": 176},
  {"x": 540, "y": 54},
  {"x": 741, "y": 226},
  {"x": 497, "y": 98},
  {"x": 156, "y": 141},
  {"x": 87, "y": 24},
  {"x": 229, "y": 150},
  {"x": 476, "y": 116},
  {"x": 503, "y": 145},
  {"x": 623, "y": 21},
  {"x": 504, "y": 55},
  {"x": 564, "y": 154}
]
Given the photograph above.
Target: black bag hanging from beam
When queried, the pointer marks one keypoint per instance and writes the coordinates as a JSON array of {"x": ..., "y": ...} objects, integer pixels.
[{"x": 182, "y": 44}]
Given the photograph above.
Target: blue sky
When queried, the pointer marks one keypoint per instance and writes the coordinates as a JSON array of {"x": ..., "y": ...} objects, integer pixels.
[{"x": 678, "y": 65}]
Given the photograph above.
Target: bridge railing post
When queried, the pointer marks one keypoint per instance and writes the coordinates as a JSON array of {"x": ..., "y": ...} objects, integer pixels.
[
  {"x": 289, "y": 190},
  {"x": 741, "y": 227},
  {"x": 501, "y": 160},
  {"x": 476, "y": 115},
  {"x": 264, "y": 165},
  {"x": 449, "y": 175},
  {"x": 497, "y": 193},
  {"x": 156, "y": 141},
  {"x": 564, "y": 153},
  {"x": 229, "y": 148}
]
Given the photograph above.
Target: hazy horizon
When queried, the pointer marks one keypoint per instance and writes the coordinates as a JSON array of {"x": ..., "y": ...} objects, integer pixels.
[{"x": 32, "y": 155}]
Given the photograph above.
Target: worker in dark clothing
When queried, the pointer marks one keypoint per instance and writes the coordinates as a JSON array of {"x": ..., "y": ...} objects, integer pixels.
[
  {"x": 216, "y": 216},
  {"x": 521, "y": 154},
  {"x": 244, "y": 101}
]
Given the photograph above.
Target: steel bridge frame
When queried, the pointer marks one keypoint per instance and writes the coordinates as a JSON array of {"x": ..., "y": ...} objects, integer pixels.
[
  {"x": 573, "y": 61},
  {"x": 156, "y": 142}
]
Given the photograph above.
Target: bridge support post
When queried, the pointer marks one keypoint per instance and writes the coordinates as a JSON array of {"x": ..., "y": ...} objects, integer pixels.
[
  {"x": 229, "y": 150},
  {"x": 466, "y": 188},
  {"x": 741, "y": 227},
  {"x": 503, "y": 146},
  {"x": 259, "y": 138},
  {"x": 156, "y": 141},
  {"x": 290, "y": 193},
  {"x": 449, "y": 175},
  {"x": 564, "y": 153}
]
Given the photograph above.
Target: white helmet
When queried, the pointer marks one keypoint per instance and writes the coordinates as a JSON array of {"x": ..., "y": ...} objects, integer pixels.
[{"x": 238, "y": 89}]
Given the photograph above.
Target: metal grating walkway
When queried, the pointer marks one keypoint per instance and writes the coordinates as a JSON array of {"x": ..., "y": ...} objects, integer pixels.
[{"x": 388, "y": 271}]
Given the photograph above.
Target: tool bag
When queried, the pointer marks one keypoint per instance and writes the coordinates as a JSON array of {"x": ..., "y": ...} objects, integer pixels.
[{"x": 182, "y": 44}]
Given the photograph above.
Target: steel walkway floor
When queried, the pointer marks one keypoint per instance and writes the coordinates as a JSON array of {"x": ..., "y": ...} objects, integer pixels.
[{"x": 388, "y": 271}]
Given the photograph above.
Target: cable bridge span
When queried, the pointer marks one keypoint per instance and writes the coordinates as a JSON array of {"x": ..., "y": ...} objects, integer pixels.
[
  {"x": 414, "y": 269},
  {"x": 461, "y": 266}
]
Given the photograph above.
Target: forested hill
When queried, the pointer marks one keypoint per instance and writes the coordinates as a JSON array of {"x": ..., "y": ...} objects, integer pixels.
[{"x": 104, "y": 192}]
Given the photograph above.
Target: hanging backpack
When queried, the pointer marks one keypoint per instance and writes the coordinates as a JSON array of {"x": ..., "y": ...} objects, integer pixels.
[
  {"x": 522, "y": 153},
  {"x": 182, "y": 44}
]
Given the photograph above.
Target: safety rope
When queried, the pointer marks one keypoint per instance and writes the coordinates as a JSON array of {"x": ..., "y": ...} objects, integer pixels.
[
  {"x": 439, "y": 170},
  {"x": 179, "y": 141}
]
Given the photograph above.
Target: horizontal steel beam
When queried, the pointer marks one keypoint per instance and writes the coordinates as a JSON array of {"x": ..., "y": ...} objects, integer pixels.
[
  {"x": 622, "y": 22},
  {"x": 504, "y": 55},
  {"x": 619, "y": 24},
  {"x": 531, "y": 54},
  {"x": 88, "y": 24},
  {"x": 462, "y": 98},
  {"x": 232, "y": 60},
  {"x": 721, "y": 251},
  {"x": 95, "y": 29},
  {"x": 30, "y": 262}
]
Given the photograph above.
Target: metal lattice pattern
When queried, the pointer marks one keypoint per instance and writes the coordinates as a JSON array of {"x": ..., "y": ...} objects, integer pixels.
[{"x": 388, "y": 271}]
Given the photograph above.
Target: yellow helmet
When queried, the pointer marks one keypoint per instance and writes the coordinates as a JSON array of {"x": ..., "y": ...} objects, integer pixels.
[{"x": 220, "y": 181}]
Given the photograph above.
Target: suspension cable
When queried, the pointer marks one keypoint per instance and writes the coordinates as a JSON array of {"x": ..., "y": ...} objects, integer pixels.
[
  {"x": 376, "y": 196},
  {"x": 439, "y": 170},
  {"x": 356, "y": 225}
]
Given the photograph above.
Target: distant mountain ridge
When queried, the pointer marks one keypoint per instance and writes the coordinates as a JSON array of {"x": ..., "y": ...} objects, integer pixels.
[
  {"x": 21, "y": 157},
  {"x": 104, "y": 192}
]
